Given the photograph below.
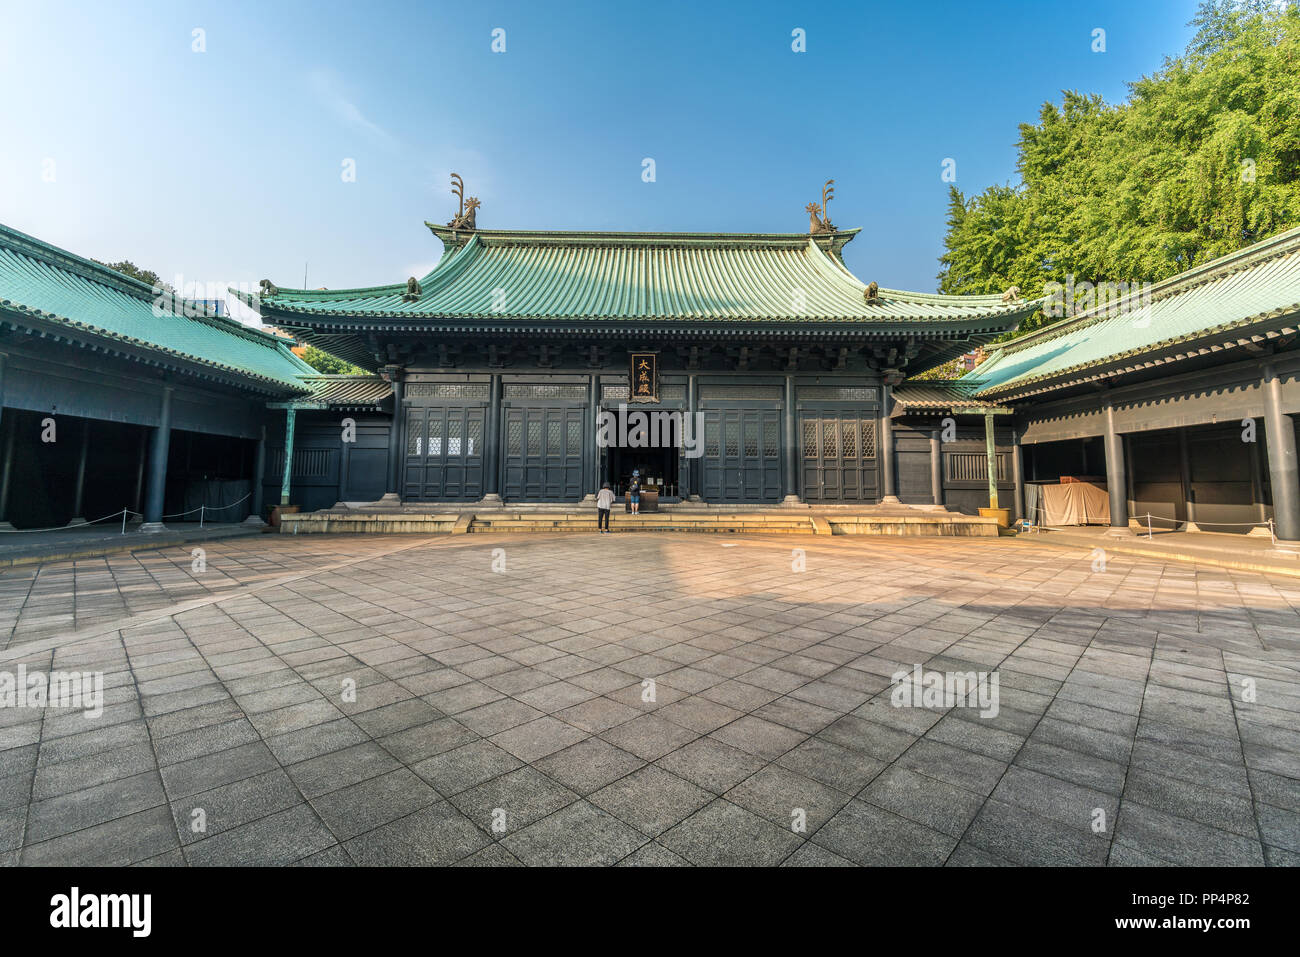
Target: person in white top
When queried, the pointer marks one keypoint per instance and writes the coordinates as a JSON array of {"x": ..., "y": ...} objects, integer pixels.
[{"x": 604, "y": 502}]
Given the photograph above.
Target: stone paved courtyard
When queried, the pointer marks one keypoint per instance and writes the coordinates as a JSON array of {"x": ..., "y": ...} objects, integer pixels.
[{"x": 1148, "y": 713}]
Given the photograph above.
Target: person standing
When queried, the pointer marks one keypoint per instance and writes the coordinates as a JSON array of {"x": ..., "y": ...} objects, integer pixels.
[
  {"x": 604, "y": 502},
  {"x": 634, "y": 491}
]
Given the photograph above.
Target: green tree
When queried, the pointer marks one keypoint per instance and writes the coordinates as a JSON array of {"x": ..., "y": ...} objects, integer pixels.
[
  {"x": 328, "y": 364},
  {"x": 128, "y": 268},
  {"x": 1202, "y": 159}
]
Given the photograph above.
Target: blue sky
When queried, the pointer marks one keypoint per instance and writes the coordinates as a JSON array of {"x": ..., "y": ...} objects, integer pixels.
[{"x": 225, "y": 166}]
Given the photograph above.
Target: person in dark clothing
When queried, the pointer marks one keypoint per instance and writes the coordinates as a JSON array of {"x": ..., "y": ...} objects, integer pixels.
[
  {"x": 634, "y": 492},
  {"x": 604, "y": 502}
]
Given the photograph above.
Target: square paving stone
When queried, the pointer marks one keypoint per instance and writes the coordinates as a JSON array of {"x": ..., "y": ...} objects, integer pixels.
[
  {"x": 712, "y": 765},
  {"x": 525, "y": 796},
  {"x": 453, "y": 771},
  {"x": 433, "y": 836},
  {"x": 727, "y": 835},
  {"x": 778, "y": 794},
  {"x": 589, "y": 765},
  {"x": 361, "y": 807},
  {"x": 936, "y": 804},
  {"x": 651, "y": 799},
  {"x": 580, "y": 834},
  {"x": 868, "y": 835},
  {"x": 649, "y": 737}
]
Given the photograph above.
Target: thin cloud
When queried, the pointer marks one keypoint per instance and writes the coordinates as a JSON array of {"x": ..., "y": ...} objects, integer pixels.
[{"x": 328, "y": 90}]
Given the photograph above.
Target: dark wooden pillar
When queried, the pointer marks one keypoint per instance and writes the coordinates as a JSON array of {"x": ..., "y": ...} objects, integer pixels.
[
  {"x": 79, "y": 488},
  {"x": 137, "y": 503},
  {"x": 1257, "y": 484},
  {"x": 694, "y": 487},
  {"x": 936, "y": 467},
  {"x": 396, "y": 436},
  {"x": 159, "y": 445},
  {"x": 6, "y": 470},
  {"x": 492, "y": 451},
  {"x": 790, "y": 478},
  {"x": 1282, "y": 467},
  {"x": 1116, "y": 478},
  {"x": 1185, "y": 479},
  {"x": 888, "y": 481},
  {"x": 258, "y": 501},
  {"x": 1017, "y": 475}
]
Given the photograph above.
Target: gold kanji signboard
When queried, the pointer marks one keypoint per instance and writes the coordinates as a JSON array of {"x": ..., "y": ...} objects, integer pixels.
[{"x": 645, "y": 376}]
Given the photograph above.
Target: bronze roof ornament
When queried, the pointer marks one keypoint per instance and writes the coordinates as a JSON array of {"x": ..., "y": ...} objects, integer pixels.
[
  {"x": 818, "y": 221},
  {"x": 872, "y": 293},
  {"x": 464, "y": 218},
  {"x": 1011, "y": 295}
]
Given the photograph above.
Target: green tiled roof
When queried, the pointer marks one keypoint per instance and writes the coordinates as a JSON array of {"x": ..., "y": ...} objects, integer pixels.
[
  {"x": 1249, "y": 295},
  {"x": 937, "y": 394},
  {"x": 350, "y": 391},
  {"x": 500, "y": 275},
  {"x": 91, "y": 301}
]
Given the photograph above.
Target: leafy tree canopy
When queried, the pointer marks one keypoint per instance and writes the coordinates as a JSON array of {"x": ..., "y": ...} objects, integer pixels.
[
  {"x": 128, "y": 268},
  {"x": 328, "y": 364},
  {"x": 1203, "y": 159}
]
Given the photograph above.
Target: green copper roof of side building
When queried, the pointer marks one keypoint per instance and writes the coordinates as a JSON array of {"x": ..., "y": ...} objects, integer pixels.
[
  {"x": 505, "y": 275},
  {"x": 1247, "y": 297},
  {"x": 88, "y": 301}
]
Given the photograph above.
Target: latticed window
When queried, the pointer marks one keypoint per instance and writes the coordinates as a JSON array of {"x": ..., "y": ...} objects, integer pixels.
[
  {"x": 575, "y": 437},
  {"x": 415, "y": 435},
  {"x": 838, "y": 393},
  {"x": 534, "y": 438},
  {"x": 553, "y": 438},
  {"x": 771, "y": 438},
  {"x": 475, "y": 436},
  {"x": 514, "y": 437},
  {"x": 740, "y": 392},
  {"x": 711, "y": 438},
  {"x": 453, "y": 436},
  {"x": 810, "y": 438},
  {"x": 732, "y": 440},
  {"x": 615, "y": 392},
  {"x": 751, "y": 439},
  {"x": 545, "y": 391},
  {"x": 829, "y": 445},
  {"x": 447, "y": 390},
  {"x": 868, "y": 439},
  {"x": 849, "y": 438},
  {"x": 435, "y": 434}
]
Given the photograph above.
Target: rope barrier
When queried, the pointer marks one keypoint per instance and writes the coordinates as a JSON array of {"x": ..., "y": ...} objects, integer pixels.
[
  {"x": 126, "y": 512},
  {"x": 1272, "y": 532},
  {"x": 61, "y": 528}
]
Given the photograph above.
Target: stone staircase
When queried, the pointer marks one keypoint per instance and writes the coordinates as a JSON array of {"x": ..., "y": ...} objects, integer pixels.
[
  {"x": 751, "y": 522},
  {"x": 898, "y": 521}
]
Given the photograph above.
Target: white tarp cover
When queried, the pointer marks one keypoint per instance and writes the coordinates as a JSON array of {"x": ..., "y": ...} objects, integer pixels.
[{"x": 1074, "y": 503}]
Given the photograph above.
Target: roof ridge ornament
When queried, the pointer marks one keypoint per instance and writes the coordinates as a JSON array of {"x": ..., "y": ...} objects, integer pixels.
[
  {"x": 413, "y": 290},
  {"x": 464, "y": 218},
  {"x": 1011, "y": 295},
  {"x": 818, "y": 221},
  {"x": 872, "y": 293}
]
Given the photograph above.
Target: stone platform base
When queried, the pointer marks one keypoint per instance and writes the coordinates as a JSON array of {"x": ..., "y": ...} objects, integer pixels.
[{"x": 837, "y": 520}]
